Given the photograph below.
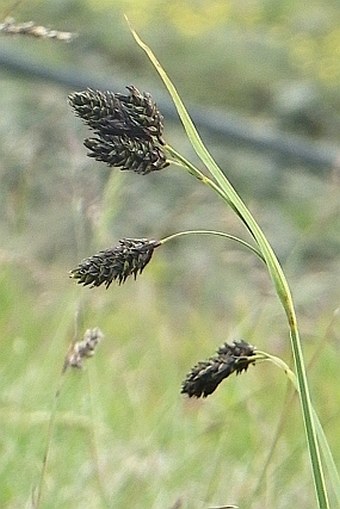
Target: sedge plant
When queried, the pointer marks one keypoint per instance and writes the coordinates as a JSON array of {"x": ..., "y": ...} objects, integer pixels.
[{"x": 128, "y": 134}]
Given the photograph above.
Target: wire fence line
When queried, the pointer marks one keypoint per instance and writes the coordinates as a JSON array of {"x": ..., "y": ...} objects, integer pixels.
[{"x": 226, "y": 127}]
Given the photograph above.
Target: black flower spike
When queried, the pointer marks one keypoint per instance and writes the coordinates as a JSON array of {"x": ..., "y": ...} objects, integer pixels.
[
  {"x": 143, "y": 112},
  {"x": 92, "y": 106},
  {"x": 205, "y": 376},
  {"x": 135, "y": 154},
  {"x": 115, "y": 264},
  {"x": 112, "y": 114}
]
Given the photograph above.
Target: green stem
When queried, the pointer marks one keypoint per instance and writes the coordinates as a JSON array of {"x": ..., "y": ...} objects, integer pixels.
[
  {"x": 224, "y": 188},
  {"x": 50, "y": 430},
  {"x": 332, "y": 470},
  {"x": 218, "y": 234},
  {"x": 231, "y": 197}
]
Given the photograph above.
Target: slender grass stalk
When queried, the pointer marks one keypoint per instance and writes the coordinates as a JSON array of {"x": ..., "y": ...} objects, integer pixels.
[
  {"x": 327, "y": 454},
  {"x": 328, "y": 457},
  {"x": 329, "y": 461},
  {"x": 243, "y": 243},
  {"x": 231, "y": 197},
  {"x": 37, "y": 495},
  {"x": 37, "y": 491},
  {"x": 93, "y": 441},
  {"x": 284, "y": 414}
]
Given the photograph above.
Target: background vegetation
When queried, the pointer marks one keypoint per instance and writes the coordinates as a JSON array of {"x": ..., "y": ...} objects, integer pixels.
[{"x": 124, "y": 436}]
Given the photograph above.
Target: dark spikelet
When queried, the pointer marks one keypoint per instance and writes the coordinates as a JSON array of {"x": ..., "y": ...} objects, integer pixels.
[
  {"x": 138, "y": 155},
  {"x": 81, "y": 350},
  {"x": 205, "y": 376},
  {"x": 128, "y": 129},
  {"x": 92, "y": 106},
  {"x": 143, "y": 112},
  {"x": 107, "y": 113},
  {"x": 129, "y": 258}
]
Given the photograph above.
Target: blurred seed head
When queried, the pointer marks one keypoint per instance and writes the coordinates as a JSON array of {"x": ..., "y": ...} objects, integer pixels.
[
  {"x": 130, "y": 257},
  {"x": 81, "y": 350},
  {"x": 29, "y": 28},
  {"x": 205, "y": 376}
]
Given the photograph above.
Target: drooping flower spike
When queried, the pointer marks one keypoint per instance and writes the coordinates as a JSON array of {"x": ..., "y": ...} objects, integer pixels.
[
  {"x": 129, "y": 258},
  {"x": 205, "y": 376}
]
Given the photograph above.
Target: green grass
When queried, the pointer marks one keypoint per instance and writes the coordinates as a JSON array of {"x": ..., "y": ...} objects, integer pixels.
[{"x": 123, "y": 434}]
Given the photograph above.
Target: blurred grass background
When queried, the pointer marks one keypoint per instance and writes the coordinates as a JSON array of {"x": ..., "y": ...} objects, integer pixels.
[{"x": 124, "y": 436}]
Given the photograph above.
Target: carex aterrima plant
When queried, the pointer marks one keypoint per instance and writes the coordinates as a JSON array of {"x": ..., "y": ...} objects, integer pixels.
[{"x": 128, "y": 135}]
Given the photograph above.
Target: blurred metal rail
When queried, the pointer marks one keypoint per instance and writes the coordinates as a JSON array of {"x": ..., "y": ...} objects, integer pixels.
[{"x": 225, "y": 127}]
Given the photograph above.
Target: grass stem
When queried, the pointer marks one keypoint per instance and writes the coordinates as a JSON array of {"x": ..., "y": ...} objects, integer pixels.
[
  {"x": 216, "y": 233},
  {"x": 37, "y": 497},
  {"x": 223, "y": 187}
]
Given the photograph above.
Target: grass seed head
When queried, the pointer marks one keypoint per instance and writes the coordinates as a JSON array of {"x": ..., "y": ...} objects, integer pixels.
[
  {"x": 29, "y": 28},
  {"x": 143, "y": 112},
  {"x": 93, "y": 105},
  {"x": 205, "y": 376},
  {"x": 128, "y": 129},
  {"x": 134, "y": 154},
  {"x": 135, "y": 114},
  {"x": 81, "y": 350},
  {"x": 130, "y": 257}
]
